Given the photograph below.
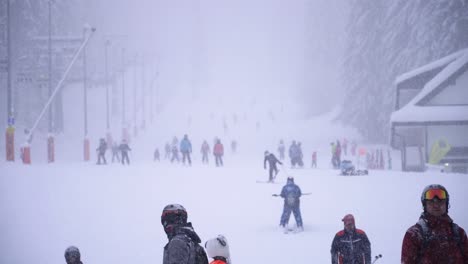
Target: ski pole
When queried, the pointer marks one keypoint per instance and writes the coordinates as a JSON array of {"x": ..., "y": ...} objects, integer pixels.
[
  {"x": 277, "y": 195},
  {"x": 377, "y": 258}
]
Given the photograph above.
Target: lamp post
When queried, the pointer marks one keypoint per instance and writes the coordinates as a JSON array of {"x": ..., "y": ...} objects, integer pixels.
[
  {"x": 10, "y": 131},
  {"x": 135, "y": 129},
  {"x": 106, "y": 76},
  {"x": 50, "y": 137},
  {"x": 85, "y": 100},
  {"x": 124, "y": 127}
]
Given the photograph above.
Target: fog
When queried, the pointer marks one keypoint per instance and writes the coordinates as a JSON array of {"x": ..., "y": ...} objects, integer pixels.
[{"x": 276, "y": 52}]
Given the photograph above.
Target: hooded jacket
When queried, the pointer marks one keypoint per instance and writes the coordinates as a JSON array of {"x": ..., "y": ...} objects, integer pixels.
[
  {"x": 181, "y": 248},
  {"x": 351, "y": 248},
  {"x": 441, "y": 245}
]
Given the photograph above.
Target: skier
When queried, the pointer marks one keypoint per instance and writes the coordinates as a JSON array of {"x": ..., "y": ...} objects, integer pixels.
[
  {"x": 218, "y": 152},
  {"x": 101, "y": 150},
  {"x": 218, "y": 249},
  {"x": 299, "y": 155},
  {"x": 72, "y": 255},
  {"x": 175, "y": 153},
  {"x": 435, "y": 238},
  {"x": 167, "y": 151},
  {"x": 272, "y": 160},
  {"x": 314, "y": 159},
  {"x": 281, "y": 149},
  {"x": 186, "y": 149},
  {"x": 183, "y": 246},
  {"x": 293, "y": 153},
  {"x": 234, "y": 146},
  {"x": 115, "y": 152},
  {"x": 156, "y": 155},
  {"x": 124, "y": 149},
  {"x": 350, "y": 245},
  {"x": 291, "y": 194},
  {"x": 205, "y": 149}
]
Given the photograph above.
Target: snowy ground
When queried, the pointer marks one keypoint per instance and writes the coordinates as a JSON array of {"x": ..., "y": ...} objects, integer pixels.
[{"x": 112, "y": 213}]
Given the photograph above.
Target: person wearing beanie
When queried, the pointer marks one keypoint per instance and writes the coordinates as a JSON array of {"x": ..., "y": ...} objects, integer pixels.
[
  {"x": 218, "y": 249},
  {"x": 435, "y": 238},
  {"x": 72, "y": 255},
  {"x": 183, "y": 246},
  {"x": 350, "y": 245}
]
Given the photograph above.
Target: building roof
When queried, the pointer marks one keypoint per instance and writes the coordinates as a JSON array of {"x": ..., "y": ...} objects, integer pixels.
[
  {"x": 413, "y": 112},
  {"x": 431, "y": 66}
]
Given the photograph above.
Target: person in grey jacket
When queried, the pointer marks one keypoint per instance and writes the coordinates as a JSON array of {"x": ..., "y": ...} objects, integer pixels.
[{"x": 183, "y": 246}]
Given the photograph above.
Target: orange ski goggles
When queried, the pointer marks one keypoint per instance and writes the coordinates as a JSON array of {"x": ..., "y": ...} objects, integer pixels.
[{"x": 433, "y": 193}]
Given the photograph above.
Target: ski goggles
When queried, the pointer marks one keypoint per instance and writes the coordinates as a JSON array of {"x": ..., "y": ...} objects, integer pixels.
[{"x": 433, "y": 193}]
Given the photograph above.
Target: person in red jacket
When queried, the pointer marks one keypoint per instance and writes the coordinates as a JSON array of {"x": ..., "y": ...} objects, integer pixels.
[
  {"x": 350, "y": 245},
  {"x": 218, "y": 152},
  {"x": 435, "y": 238},
  {"x": 218, "y": 249}
]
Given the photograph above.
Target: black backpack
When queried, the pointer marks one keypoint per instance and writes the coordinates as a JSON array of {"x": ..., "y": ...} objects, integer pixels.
[{"x": 197, "y": 253}]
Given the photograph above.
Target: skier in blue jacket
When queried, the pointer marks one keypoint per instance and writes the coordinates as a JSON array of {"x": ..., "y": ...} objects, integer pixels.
[
  {"x": 291, "y": 194},
  {"x": 186, "y": 149}
]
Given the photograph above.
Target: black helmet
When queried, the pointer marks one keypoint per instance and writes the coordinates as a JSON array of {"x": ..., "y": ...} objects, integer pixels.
[
  {"x": 290, "y": 180},
  {"x": 434, "y": 187},
  {"x": 72, "y": 255},
  {"x": 172, "y": 215}
]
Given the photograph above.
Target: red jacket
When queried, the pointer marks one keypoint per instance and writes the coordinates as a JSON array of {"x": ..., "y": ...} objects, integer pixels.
[
  {"x": 441, "y": 247},
  {"x": 218, "y": 149}
]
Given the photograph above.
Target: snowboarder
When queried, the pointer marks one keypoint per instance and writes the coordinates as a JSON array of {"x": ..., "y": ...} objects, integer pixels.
[
  {"x": 281, "y": 149},
  {"x": 291, "y": 194},
  {"x": 72, "y": 255},
  {"x": 101, "y": 150},
  {"x": 205, "y": 149},
  {"x": 184, "y": 244},
  {"x": 218, "y": 249},
  {"x": 350, "y": 245},
  {"x": 124, "y": 149},
  {"x": 272, "y": 160},
  {"x": 186, "y": 149},
  {"x": 218, "y": 152}
]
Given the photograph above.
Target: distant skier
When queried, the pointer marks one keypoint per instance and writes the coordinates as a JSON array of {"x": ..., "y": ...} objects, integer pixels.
[
  {"x": 186, "y": 149},
  {"x": 218, "y": 152},
  {"x": 293, "y": 153},
  {"x": 272, "y": 160},
  {"x": 115, "y": 152},
  {"x": 101, "y": 150},
  {"x": 156, "y": 155},
  {"x": 124, "y": 149},
  {"x": 281, "y": 149},
  {"x": 167, "y": 151},
  {"x": 72, "y": 255},
  {"x": 233, "y": 146},
  {"x": 291, "y": 194},
  {"x": 314, "y": 159},
  {"x": 299, "y": 155},
  {"x": 175, "y": 153},
  {"x": 205, "y": 149}
]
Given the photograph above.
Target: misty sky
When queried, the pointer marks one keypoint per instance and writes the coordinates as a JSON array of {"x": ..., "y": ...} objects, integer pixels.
[{"x": 270, "y": 50}]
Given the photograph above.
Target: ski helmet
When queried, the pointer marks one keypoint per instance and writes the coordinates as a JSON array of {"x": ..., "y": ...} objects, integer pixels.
[
  {"x": 173, "y": 214},
  {"x": 72, "y": 255},
  {"x": 434, "y": 187},
  {"x": 217, "y": 247},
  {"x": 290, "y": 180}
]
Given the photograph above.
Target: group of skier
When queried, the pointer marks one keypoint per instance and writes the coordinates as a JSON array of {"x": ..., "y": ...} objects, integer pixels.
[
  {"x": 185, "y": 147},
  {"x": 119, "y": 152},
  {"x": 434, "y": 239}
]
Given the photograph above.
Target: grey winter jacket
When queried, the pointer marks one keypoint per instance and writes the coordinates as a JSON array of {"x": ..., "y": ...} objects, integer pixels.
[{"x": 182, "y": 246}]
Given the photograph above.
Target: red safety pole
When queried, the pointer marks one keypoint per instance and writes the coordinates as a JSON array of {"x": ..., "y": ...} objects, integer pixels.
[
  {"x": 86, "y": 149},
  {"x": 50, "y": 149},
  {"x": 26, "y": 153},
  {"x": 10, "y": 143}
]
